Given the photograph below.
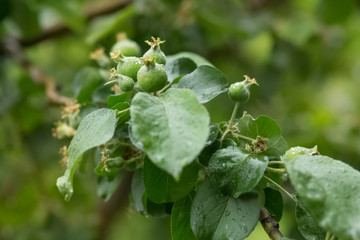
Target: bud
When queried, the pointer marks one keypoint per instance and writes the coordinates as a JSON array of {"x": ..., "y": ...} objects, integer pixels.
[
  {"x": 62, "y": 130},
  {"x": 239, "y": 91}
]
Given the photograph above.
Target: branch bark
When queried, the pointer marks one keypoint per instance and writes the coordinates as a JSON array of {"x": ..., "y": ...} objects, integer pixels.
[
  {"x": 117, "y": 203},
  {"x": 61, "y": 29},
  {"x": 270, "y": 226}
]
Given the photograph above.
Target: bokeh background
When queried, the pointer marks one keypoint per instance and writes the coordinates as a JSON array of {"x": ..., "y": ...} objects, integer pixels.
[{"x": 305, "y": 54}]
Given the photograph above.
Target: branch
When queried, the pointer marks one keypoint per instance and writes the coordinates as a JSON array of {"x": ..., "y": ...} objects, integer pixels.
[
  {"x": 12, "y": 48},
  {"x": 117, "y": 203},
  {"x": 61, "y": 29},
  {"x": 270, "y": 226}
]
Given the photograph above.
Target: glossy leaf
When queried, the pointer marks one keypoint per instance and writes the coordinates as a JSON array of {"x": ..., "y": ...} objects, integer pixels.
[
  {"x": 95, "y": 129},
  {"x": 330, "y": 190},
  {"x": 207, "y": 82},
  {"x": 86, "y": 81},
  {"x": 211, "y": 146},
  {"x": 179, "y": 67},
  {"x": 274, "y": 203},
  {"x": 171, "y": 129},
  {"x": 236, "y": 172},
  {"x": 207, "y": 152},
  {"x": 265, "y": 127},
  {"x": 196, "y": 58},
  {"x": 215, "y": 216},
  {"x": 161, "y": 187},
  {"x": 307, "y": 226},
  {"x": 214, "y": 132},
  {"x": 180, "y": 220}
]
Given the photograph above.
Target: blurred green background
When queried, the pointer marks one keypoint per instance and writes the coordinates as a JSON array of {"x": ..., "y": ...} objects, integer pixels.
[{"x": 305, "y": 54}]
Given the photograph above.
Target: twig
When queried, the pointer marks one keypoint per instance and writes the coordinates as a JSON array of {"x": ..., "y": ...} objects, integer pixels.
[
  {"x": 61, "y": 29},
  {"x": 281, "y": 188},
  {"x": 270, "y": 226},
  {"x": 230, "y": 124}
]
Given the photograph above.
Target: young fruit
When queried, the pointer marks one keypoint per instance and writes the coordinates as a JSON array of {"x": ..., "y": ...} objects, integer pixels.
[
  {"x": 239, "y": 91},
  {"x": 128, "y": 66},
  {"x": 125, "y": 83},
  {"x": 151, "y": 77},
  {"x": 155, "y": 51},
  {"x": 125, "y": 46}
]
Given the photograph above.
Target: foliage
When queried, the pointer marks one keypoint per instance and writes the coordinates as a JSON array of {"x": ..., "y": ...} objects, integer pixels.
[
  {"x": 168, "y": 128},
  {"x": 304, "y": 55}
]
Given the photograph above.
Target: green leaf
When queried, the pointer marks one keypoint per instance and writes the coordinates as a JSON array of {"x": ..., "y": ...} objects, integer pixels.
[
  {"x": 207, "y": 82},
  {"x": 180, "y": 220},
  {"x": 211, "y": 146},
  {"x": 123, "y": 116},
  {"x": 172, "y": 129},
  {"x": 179, "y": 67},
  {"x": 330, "y": 190},
  {"x": 196, "y": 58},
  {"x": 95, "y": 129},
  {"x": 295, "y": 152},
  {"x": 138, "y": 192},
  {"x": 154, "y": 209},
  {"x": 236, "y": 172},
  {"x": 161, "y": 187},
  {"x": 274, "y": 203},
  {"x": 101, "y": 94},
  {"x": 214, "y": 133},
  {"x": 307, "y": 226},
  {"x": 265, "y": 127},
  {"x": 215, "y": 216},
  {"x": 112, "y": 100},
  {"x": 107, "y": 186},
  {"x": 86, "y": 81}
]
